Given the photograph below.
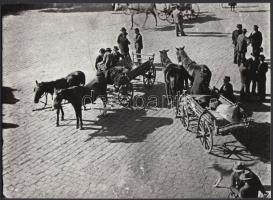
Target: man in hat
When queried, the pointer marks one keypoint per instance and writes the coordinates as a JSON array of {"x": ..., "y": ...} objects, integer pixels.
[
  {"x": 99, "y": 57},
  {"x": 252, "y": 185},
  {"x": 108, "y": 60},
  {"x": 117, "y": 56},
  {"x": 235, "y": 35},
  {"x": 241, "y": 47},
  {"x": 123, "y": 42},
  {"x": 178, "y": 20},
  {"x": 227, "y": 90},
  {"x": 256, "y": 40},
  {"x": 261, "y": 77},
  {"x": 138, "y": 45},
  {"x": 236, "y": 183}
]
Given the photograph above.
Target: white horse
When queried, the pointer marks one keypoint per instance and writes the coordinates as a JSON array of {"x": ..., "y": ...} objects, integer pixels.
[{"x": 136, "y": 8}]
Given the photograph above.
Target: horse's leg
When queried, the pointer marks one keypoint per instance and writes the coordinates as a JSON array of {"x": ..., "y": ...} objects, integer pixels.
[
  {"x": 154, "y": 14},
  {"x": 145, "y": 20},
  {"x": 58, "y": 112},
  {"x": 62, "y": 113},
  {"x": 132, "y": 20},
  {"x": 77, "y": 115},
  {"x": 80, "y": 116}
]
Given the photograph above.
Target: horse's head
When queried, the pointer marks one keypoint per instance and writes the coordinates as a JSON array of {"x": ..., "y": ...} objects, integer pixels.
[
  {"x": 163, "y": 55},
  {"x": 180, "y": 53},
  {"x": 58, "y": 97},
  {"x": 39, "y": 91}
]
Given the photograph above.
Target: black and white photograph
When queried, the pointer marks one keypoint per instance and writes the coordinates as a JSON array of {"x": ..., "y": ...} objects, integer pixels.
[{"x": 136, "y": 100}]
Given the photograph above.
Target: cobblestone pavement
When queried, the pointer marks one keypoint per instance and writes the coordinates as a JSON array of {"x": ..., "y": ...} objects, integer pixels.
[{"x": 133, "y": 152}]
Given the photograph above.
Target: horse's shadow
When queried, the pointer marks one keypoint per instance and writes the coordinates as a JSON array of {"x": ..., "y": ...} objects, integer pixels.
[
  {"x": 8, "y": 96},
  {"x": 127, "y": 126}
]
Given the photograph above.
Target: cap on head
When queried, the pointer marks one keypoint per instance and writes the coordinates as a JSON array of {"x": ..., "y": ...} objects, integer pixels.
[
  {"x": 238, "y": 167},
  {"x": 137, "y": 30},
  {"x": 256, "y": 26},
  {"x": 102, "y": 50},
  {"x": 227, "y": 78},
  {"x": 123, "y": 29},
  {"x": 115, "y": 48},
  {"x": 239, "y": 26},
  {"x": 247, "y": 175},
  {"x": 108, "y": 49}
]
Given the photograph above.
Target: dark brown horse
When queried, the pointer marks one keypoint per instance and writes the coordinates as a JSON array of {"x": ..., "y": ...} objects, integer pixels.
[
  {"x": 201, "y": 74},
  {"x": 176, "y": 77},
  {"x": 81, "y": 95},
  {"x": 73, "y": 79},
  {"x": 135, "y": 8}
]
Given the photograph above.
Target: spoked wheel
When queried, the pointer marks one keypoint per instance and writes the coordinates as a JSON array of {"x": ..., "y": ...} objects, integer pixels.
[
  {"x": 205, "y": 133},
  {"x": 185, "y": 117},
  {"x": 125, "y": 93},
  {"x": 149, "y": 77}
]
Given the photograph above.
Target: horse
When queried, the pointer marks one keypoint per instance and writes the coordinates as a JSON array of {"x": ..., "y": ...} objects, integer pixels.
[
  {"x": 135, "y": 8},
  {"x": 80, "y": 95},
  {"x": 176, "y": 77},
  {"x": 73, "y": 79},
  {"x": 200, "y": 74}
]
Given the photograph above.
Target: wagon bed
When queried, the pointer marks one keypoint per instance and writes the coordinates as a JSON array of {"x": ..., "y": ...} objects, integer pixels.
[{"x": 211, "y": 122}]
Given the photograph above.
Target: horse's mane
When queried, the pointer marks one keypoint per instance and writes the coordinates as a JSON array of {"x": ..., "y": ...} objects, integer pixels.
[{"x": 58, "y": 84}]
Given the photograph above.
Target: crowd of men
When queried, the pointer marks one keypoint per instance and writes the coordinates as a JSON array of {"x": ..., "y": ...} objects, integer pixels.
[
  {"x": 120, "y": 54},
  {"x": 252, "y": 70}
]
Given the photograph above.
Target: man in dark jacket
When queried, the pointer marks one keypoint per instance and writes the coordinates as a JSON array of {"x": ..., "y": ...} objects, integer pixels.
[
  {"x": 108, "y": 60},
  {"x": 138, "y": 45},
  {"x": 227, "y": 90},
  {"x": 235, "y": 35},
  {"x": 261, "y": 77},
  {"x": 256, "y": 40},
  {"x": 99, "y": 57},
  {"x": 117, "y": 56},
  {"x": 252, "y": 185},
  {"x": 241, "y": 47},
  {"x": 123, "y": 42},
  {"x": 178, "y": 20}
]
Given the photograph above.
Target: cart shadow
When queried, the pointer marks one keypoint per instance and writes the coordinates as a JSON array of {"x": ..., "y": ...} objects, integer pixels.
[
  {"x": 207, "y": 34},
  {"x": 256, "y": 139},
  {"x": 252, "y": 11},
  {"x": 135, "y": 129},
  {"x": 8, "y": 96},
  {"x": 232, "y": 150},
  {"x": 203, "y": 19},
  {"x": 9, "y": 125}
]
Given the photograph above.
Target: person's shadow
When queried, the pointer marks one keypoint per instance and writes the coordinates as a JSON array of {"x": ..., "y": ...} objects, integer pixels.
[{"x": 128, "y": 126}]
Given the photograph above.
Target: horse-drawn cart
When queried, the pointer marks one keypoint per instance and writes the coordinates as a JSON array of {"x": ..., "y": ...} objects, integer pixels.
[
  {"x": 219, "y": 116},
  {"x": 121, "y": 76}
]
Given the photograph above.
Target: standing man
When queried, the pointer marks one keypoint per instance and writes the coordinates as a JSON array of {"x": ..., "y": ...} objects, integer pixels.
[
  {"x": 138, "y": 45},
  {"x": 241, "y": 47},
  {"x": 123, "y": 42},
  {"x": 235, "y": 35},
  {"x": 244, "y": 73},
  {"x": 99, "y": 57},
  {"x": 262, "y": 69},
  {"x": 178, "y": 20},
  {"x": 256, "y": 40},
  {"x": 232, "y": 6}
]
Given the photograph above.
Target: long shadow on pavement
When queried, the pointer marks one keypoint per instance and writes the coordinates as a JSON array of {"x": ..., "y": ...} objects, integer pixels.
[
  {"x": 251, "y": 11},
  {"x": 128, "y": 126},
  {"x": 203, "y": 19},
  {"x": 8, "y": 96}
]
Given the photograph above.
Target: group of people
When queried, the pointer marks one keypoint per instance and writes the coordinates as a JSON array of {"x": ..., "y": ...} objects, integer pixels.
[
  {"x": 245, "y": 183},
  {"x": 252, "y": 70},
  {"x": 120, "y": 54}
]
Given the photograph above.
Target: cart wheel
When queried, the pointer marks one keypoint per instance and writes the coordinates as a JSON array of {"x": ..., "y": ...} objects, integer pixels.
[
  {"x": 43, "y": 101},
  {"x": 162, "y": 15},
  {"x": 205, "y": 133},
  {"x": 125, "y": 93},
  {"x": 185, "y": 117},
  {"x": 169, "y": 18},
  {"x": 149, "y": 77}
]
